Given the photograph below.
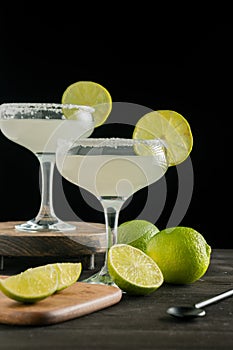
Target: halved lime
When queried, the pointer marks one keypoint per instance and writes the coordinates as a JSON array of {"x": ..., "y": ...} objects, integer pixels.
[
  {"x": 133, "y": 271},
  {"x": 68, "y": 274},
  {"x": 171, "y": 128},
  {"x": 32, "y": 285},
  {"x": 89, "y": 93}
]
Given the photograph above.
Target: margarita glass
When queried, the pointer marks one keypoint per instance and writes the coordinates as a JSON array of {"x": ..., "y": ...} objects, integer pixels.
[
  {"x": 112, "y": 170},
  {"x": 37, "y": 127}
]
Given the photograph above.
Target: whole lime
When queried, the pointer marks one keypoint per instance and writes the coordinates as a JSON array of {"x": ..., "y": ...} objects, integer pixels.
[
  {"x": 136, "y": 233},
  {"x": 182, "y": 254}
]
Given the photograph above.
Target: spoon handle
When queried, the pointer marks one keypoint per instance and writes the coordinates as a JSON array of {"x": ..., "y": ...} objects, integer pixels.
[{"x": 214, "y": 299}]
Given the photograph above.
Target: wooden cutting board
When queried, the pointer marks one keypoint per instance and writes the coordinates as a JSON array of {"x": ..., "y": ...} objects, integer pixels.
[{"x": 77, "y": 300}]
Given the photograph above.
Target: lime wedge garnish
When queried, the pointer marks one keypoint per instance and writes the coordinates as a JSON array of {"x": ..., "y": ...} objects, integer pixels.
[
  {"x": 88, "y": 93},
  {"x": 68, "y": 274},
  {"x": 40, "y": 282},
  {"x": 133, "y": 271},
  {"x": 31, "y": 285},
  {"x": 171, "y": 128}
]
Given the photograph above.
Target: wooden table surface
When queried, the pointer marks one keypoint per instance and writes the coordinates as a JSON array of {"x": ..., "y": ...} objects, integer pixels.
[{"x": 139, "y": 322}]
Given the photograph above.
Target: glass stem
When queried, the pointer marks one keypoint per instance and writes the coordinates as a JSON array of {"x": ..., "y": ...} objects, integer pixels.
[
  {"x": 46, "y": 212},
  {"x": 112, "y": 209}
]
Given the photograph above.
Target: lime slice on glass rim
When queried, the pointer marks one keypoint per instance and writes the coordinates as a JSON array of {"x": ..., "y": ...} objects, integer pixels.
[
  {"x": 133, "y": 271},
  {"x": 88, "y": 93},
  {"x": 171, "y": 128}
]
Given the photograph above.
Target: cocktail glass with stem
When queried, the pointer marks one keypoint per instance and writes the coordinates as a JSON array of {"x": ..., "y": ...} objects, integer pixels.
[
  {"x": 38, "y": 126},
  {"x": 112, "y": 170}
]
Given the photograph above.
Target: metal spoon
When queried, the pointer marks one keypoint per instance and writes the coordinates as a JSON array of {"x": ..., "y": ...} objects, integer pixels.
[{"x": 196, "y": 310}]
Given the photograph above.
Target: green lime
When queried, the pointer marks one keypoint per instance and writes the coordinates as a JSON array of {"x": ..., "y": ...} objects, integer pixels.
[
  {"x": 136, "y": 233},
  {"x": 68, "y": 274},
  {"x": 89, "y": 93},
  {"x": 132, "y": 270},
  {"x": 182, "y": 254},
  {"x": 32, "y": 285},
  {"x": 171, "y": 128}
]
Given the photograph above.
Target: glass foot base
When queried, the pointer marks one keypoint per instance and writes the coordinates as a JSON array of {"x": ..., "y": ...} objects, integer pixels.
[
  {"x": 43, "y": 225},
  {"x": 100, "y": 278}
]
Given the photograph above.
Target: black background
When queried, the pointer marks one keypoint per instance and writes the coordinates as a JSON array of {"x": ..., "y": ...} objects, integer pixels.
[{"x": 145, "y": 56}]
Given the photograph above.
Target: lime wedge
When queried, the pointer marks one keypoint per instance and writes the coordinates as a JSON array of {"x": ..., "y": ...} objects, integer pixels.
[
  {"x": 68, "y": 274},
  {"x": 133, "y": 271},
  {"x": 171, "y": 128},
  {"x": 31, "y": 285},
  {"x": 88, "y": 93}
]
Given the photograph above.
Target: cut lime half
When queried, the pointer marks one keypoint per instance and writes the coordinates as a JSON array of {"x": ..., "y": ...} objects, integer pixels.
[{"x": 133, "y": 271}]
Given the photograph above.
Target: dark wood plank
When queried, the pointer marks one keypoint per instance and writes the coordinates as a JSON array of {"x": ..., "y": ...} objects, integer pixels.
[
  {"x": 87, "y": 239},
  {"x": 141, "y": 322}
]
